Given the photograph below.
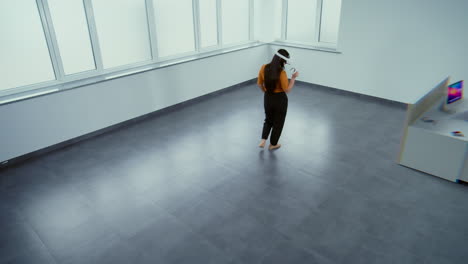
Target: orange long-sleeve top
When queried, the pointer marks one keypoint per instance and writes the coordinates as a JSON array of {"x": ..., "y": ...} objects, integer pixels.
[{"x": 281, "y": 86}]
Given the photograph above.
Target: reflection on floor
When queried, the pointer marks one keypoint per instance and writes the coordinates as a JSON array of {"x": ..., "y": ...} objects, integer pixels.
[{"x": 191, "y": 186}]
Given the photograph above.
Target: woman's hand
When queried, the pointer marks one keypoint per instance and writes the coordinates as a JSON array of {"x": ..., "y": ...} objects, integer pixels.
[{"x": 293, "y": 80}]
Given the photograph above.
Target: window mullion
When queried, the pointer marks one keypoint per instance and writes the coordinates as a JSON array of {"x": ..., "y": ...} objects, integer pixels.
[
  {"x": 251, "y": 20},
  {"x": 196, "y": 24},
  {"x": 93, "y": 35},
  {"x": 284, "y": 20},
  {"x": 318, "y": 20},
  {"x": 220, "y": 22},
  {"x": 51, "y": 39},
  {"x": 152, "y": 29}
]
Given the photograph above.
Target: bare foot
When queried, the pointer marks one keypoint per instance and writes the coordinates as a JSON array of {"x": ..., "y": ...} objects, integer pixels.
[
  {"x": 272, "y": 147},
  {"x": 262, "y": 143}
]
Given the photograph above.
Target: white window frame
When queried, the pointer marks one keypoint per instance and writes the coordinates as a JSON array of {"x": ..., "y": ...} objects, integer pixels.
[
  {"x": 318, "y": 23},
  {"x": 63, "y": 81}
]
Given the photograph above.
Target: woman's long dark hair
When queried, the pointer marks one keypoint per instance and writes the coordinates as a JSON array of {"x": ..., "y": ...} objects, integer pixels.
[{"x": 273, "y": 70}]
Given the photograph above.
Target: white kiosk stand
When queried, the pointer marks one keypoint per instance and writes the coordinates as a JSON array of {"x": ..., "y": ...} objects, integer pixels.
[{"x": 428, "y": 144}]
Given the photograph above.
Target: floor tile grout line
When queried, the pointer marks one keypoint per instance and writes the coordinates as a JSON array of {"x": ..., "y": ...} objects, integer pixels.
[
  {"x": 190, "y": 228},
  {"x": 49, "y": 251}
]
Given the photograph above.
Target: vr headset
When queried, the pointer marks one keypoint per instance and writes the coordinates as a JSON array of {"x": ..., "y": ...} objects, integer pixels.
[{"x": 288, "y": 61}]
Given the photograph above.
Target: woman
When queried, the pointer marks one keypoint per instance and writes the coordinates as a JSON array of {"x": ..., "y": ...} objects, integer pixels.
[{"x": 273, "y": 81}]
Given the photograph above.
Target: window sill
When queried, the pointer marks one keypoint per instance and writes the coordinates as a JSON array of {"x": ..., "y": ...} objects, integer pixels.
[
  {"x": 55, "y": 86},
  {"x": 305, "y": 46}
]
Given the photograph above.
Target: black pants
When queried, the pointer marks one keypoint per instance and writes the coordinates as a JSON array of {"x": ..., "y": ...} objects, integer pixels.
[{"x": 276, "y": 106}]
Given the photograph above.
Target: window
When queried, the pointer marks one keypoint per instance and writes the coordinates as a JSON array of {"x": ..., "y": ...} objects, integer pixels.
[
  {"x": 174, "y": 27},
  {"x": 24, "y": 53},
  {"x": 235, "y": 21},
  {"x": 330, "y": 23},
  {"x": 267, "y": 15},
  {"x": 302, "y": 16},
  {"x": 314, "y": 22},
  {"x": 208, "y": 23},
  {"x": 123, "y": 33},
  {"x": 71, "y": 31},
  {"x": 55, "y": 42}
]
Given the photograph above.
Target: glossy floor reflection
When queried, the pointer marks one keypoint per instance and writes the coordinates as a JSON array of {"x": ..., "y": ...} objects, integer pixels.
[{"x": 191, "y": 186}]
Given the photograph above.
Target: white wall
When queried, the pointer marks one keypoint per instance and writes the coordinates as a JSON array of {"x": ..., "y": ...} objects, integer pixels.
[
  {"x": 397, "y": 50},
  {"x": 40, "y": 122}
]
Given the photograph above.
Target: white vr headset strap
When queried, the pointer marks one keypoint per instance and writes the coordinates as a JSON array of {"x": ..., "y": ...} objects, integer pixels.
[
  {"x": 288, "y": 61},
  {"x": 283, "y": 57}
]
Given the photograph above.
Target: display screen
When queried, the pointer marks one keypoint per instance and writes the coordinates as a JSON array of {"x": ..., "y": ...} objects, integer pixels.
[{"x": 455, "y": 92}]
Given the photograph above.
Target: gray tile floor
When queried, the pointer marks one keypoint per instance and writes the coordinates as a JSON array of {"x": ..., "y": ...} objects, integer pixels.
[{"x": 191, "y": 186}]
